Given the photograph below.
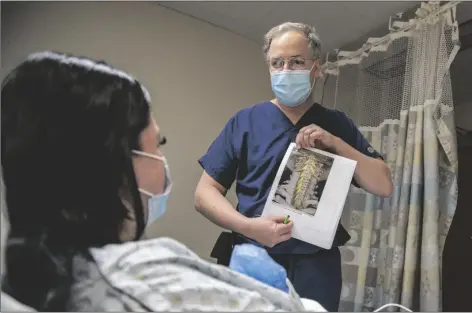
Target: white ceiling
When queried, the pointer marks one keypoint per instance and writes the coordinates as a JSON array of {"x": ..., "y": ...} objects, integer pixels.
[{"x": 338, "y": 23}]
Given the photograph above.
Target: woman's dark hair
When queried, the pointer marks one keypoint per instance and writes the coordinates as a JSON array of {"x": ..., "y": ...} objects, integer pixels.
[{"x": 68, "y": 128}]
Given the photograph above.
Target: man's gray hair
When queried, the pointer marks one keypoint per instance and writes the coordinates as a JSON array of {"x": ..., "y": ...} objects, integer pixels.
[{"x": 314, "y": 41}]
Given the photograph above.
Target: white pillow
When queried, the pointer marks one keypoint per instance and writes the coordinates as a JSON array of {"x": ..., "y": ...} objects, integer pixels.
[
  {"x": 8, "y": 304},
  {"x": 312, "y": 305},
  {"x": 4, "y": 226}
]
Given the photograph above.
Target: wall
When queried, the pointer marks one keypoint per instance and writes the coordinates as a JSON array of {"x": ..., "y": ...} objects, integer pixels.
[{"x": 198, "y": 76}]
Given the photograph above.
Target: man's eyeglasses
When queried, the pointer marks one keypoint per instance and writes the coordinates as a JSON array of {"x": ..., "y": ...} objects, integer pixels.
[{"x": 294, "y": 63}]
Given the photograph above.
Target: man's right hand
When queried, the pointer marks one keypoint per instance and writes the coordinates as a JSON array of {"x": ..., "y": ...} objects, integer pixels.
[{"x": 269, "y": 230}]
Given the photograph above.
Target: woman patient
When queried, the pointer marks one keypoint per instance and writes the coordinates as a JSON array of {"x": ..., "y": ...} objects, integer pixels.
[{"x": 84, "y": 176}]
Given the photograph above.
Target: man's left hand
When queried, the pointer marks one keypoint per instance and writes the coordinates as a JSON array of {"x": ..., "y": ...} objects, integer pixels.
[{"x": 313, "y": 136}]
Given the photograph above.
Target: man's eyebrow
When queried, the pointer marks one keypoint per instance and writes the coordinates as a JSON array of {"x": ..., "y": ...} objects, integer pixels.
[{"x": 293, "y": 56}]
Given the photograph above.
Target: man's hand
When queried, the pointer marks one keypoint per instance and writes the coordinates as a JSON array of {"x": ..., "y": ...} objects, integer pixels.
[
  {"x": 312, "y": 136},
  {"x": 269, "y": 230},
  {"x": 371, "y": 174}
]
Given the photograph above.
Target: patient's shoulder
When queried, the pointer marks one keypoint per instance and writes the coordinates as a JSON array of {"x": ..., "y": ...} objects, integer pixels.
[
  {"x": 163, "y": 274},
  {"x": 92, "y": 292},
  {"x": 95, "y": 286},
  {"x": 141, "y": 252}
]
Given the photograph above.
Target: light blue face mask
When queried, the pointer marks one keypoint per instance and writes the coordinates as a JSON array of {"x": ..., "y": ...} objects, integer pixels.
[
  {"x": 291, "y": 87},
  {"x": 157, "y": 204}
]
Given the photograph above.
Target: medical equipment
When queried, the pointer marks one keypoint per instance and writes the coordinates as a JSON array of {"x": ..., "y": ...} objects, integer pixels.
[{"x": 255, "y": 262}]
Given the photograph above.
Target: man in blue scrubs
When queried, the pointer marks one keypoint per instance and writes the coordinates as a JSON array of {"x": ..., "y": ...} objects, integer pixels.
[{"x": 252, "y": 145}]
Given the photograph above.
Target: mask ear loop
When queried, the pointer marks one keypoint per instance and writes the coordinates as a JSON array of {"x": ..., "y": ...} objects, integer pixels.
[
  {"x": 144, "y": 192},
  {"x": 314, "y": 80},
  {"x": 168, "y": 179},
  {"x": 312, "y": 85},
  {"x": 137, "y": 202},
  {"x": 149, "y": 155}
]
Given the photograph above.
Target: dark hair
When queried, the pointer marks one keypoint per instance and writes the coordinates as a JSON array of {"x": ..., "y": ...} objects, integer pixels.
[{"x": 68, "y": 128}]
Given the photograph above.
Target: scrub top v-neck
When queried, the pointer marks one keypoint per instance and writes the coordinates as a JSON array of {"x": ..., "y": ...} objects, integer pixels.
[{"x": 250, "y": 149}]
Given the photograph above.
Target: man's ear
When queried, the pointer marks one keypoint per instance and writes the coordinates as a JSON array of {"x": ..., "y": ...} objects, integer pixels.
[{"x": 317, "y": 70}]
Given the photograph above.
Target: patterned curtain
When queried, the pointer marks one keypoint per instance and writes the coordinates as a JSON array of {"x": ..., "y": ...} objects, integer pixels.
[{"x": 399, "y": 94}]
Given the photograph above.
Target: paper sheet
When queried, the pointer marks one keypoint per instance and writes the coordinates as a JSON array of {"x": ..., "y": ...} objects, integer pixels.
[{"x": 311, "y": 186}]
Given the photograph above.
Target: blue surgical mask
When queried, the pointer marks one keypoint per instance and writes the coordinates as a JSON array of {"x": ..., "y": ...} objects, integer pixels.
[
  {"x": 291, "y": 87},
  {"x": 157, "y": 204}
]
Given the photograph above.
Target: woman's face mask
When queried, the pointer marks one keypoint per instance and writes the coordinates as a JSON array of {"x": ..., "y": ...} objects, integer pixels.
[{"x": 157, "y": 203}]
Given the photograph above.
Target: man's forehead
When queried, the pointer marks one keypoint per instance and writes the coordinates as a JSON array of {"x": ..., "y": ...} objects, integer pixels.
[{"x": 289, "y": 44}]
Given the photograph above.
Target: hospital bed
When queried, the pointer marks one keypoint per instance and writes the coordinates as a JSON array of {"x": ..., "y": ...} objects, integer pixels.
[{"x": 8, "y": 304}]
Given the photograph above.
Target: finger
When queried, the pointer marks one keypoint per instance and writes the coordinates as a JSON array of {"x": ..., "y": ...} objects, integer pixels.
[
  {"x": 317, "y": 134},
  {"x": 306, "y": 139},
  {"x": 288, "y": 231},
  {"x": 310, "y": 129},
  {"x": 277, "y": 219},
  {"x": 284, "y": 228},
  {"x": 302, "y": 138},
  {"x": 285, "y": 237},
  {"x": 305, "y": 128},
  {"x": 298, "y": 140},
  {"x": 314, "y": 137}
]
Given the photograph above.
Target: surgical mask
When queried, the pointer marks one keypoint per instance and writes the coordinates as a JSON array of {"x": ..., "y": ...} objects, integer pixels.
[
  {"x": 157, "y": 204},
  {"x": 291, "y": 87}
]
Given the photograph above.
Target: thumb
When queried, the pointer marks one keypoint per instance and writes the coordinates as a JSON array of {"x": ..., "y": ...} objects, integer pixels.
[{"x": 277, "y": 219}]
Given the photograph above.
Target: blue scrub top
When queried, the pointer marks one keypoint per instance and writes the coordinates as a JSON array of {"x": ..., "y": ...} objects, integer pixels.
[{"x": 251, "y": 147}]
